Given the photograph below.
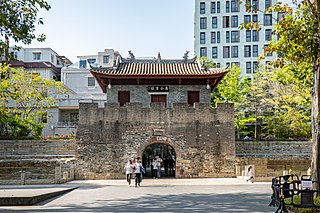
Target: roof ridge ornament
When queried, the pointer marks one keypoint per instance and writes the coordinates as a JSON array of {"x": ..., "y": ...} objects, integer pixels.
[
  {"x": 159, "y": 57},
  {"x": 185, "y": 56},
  {"x": 131, "y": 56}
]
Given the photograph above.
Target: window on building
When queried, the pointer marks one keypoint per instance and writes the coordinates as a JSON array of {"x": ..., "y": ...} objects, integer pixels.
[
  {"x": 255, "y": 4},
  {"x": 15, "y": 55},
  {"x": 218, "y": 65},
  {"x": 248, "y": 4},
  {"x": 248, "y": 68},
  {"x": 218, "y": 37},
  {"x": 227, "y": 36},
  {"x": 255, "y": 51},
  {"x": 91, "y": 82},
  {"x": 213, "y": 38},
  {"x": 268, "y": 3},
  {"x": 266, "y": 50},
  {"x": 235, "y": 64},
  {"x": 255, "y": 66},
  {"x": 248, "y": 35},
  {"x": 255, "y": 18},
  {"x": 213, "y": 7},
  {"x": 226, "y": 21},
  {"x": 202, "y": 38},
  {"x": 52, "y": 58},
  {"x": 91, "y": 60},
  {"x": 227, "y": 6},
  {"x": 267, "y": 20},
  {"x": 159, "y": 98},
  {"x": 193, "y": 97},
  {"x": 226, "y": 52},
  {"x": 203, "y": 51},
  {"x": 247, "y": 19},
  {"x": 234, "y": 52},
  {"x": 123, "y": 97},
  {"x": 228, "y": 64},
  {"x": 234, "y": 21},
  {"x": 268, "y": 34},
  {"x": 281, "y": 15},
  {"x": 247, "y": 51},
  {"x": 235, "y": 36},
  {"x": 106, "y": 59},
  {"x": 203, "y": 23},
  {"x": 234, "y": 5},
  {"x": 44, "y": 118},
  {"x": 202, "y": 7},
  {"x": 214, "y": 52},
  {"x": 218, "y": 7},
  {"x": 36, "y": 56},
  {"x": 83, "y": 64},
  {"x": 214, "y": 22},
  {"x": 255, "y": 35}
]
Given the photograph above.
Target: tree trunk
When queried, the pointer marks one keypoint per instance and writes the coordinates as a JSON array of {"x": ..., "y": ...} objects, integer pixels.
[{"x": 315, "y": 126}]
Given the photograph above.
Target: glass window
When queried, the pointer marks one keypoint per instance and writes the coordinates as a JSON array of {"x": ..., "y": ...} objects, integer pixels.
[
  {"x": 203, "y": 23},
  {"x": 267, "y": 20},
  {"x": 36, "y": 56},
  {"x": 91, "y": 82},
  {"x": 226, "y": 21},
  {"x": 203, "y": 51},
  {"x": 268, "y": 34},
  {"x": 91, "y": 60},
  {"x": 255, "y": 18},
  {"x": 255, "y": 66},
  {"x": 248, "y": 35},
  {"x": 227, "y": 6},
  {"x": 218, "y": 65},
  {"x": 247, "y": 19},
  {"x": 248, "y": 68},
  {"x": 83, "y": 64},
  {"x": 255, "y": 4},
  {"x": 255, "y": 51},
  {"x": 214, "y": 22},
  {"x": 234, "y": 52},
  {"x": 106, "y": 59},
  {"x": 52, "y": 58},
  {"x": 218, "y": 37},
  {"x": 235, "y": 36},
  {"x": 237, "y": 64},
  {"x": 248, "y": 4},
  {"x": 202, "y": 38},
  {"x": 213, "y": 37},
  {"x": 214, "y": 52},
  {"x": 267, "y": 4},
  {"x": 202, "y": 7},
  {"x": 234, "y": 21},
  {"x": 247, "y": 51},
  {"x": 265, "y": 49},
  {"x": 213, "y": 7},
  {"x": 226, "y": 52},
  {"x": 234, "y": 6},
  {"x": 255, "y": 35},
  {"x": 227, "y": 36},
  {"x": 218, "y": 7}
]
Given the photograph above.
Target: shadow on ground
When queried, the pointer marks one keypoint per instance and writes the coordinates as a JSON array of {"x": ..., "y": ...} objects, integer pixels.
[{"x": 241, "y": 202}]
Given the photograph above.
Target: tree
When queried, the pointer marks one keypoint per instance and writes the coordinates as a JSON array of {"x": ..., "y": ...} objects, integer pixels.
[
  {"x": 232, "y": 89},
  {"x": 25, "y": 99},
  {"x": 17, "y": 22}
]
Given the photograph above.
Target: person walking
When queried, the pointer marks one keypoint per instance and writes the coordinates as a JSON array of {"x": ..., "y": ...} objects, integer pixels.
[
  {"x": 129, "y": 169},
  {"x": 137, "y": 171},
  {"x": 250, "y": 174},
  {"x": 155, "y": 169}
]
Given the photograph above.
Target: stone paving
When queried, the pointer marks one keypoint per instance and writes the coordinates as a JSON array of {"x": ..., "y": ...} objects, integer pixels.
[{"x": 155, "y": 195}]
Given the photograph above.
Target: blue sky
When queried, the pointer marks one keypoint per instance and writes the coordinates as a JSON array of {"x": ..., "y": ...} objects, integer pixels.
[{"x": 146, "y": 27}]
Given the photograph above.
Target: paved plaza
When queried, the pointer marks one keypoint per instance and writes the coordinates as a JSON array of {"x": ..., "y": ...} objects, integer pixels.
[{"x": 161, "y": 195}]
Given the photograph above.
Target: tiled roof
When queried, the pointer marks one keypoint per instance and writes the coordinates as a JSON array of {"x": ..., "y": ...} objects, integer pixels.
[{"x": 160, "y": 68}]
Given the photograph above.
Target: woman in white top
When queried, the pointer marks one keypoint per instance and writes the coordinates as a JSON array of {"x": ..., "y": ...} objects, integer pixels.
[
  {"x": 129, "y": 169},
  {"x": 137, "y": 172}
]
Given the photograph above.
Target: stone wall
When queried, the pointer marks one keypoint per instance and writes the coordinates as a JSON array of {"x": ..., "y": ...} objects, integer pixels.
[
  {"x": 202, "y": 137},
  {"x": 36, "y": 162}
]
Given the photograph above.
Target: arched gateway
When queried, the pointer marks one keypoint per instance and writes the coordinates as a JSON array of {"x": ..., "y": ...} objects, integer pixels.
[{"x": 156, "y": 104}]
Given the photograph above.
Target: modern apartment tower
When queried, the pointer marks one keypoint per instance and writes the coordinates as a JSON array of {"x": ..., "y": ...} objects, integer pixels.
[{"x": 218, "y": 36}]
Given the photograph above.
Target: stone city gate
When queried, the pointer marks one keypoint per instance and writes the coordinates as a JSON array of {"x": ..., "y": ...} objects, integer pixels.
[{"x": 202, "y": 137}]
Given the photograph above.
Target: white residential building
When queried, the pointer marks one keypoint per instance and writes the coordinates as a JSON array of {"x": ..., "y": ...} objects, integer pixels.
[{"x": 217, "y": 34}]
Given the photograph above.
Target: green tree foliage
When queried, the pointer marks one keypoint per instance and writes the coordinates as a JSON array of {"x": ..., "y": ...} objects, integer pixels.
[
  {"x": 25, "y": 98},
  {"x": 18, "y": 19}
]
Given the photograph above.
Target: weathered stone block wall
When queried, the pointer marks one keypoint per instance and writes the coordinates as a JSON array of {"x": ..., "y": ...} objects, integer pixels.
[{"x": 202, "y": 137}]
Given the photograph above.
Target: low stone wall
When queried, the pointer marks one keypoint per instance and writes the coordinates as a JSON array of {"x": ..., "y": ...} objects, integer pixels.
[{"x": 36, "y": 162}]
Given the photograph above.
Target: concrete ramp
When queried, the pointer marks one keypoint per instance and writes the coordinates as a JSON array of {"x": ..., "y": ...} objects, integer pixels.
[{"x": 29, "y": 197}]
